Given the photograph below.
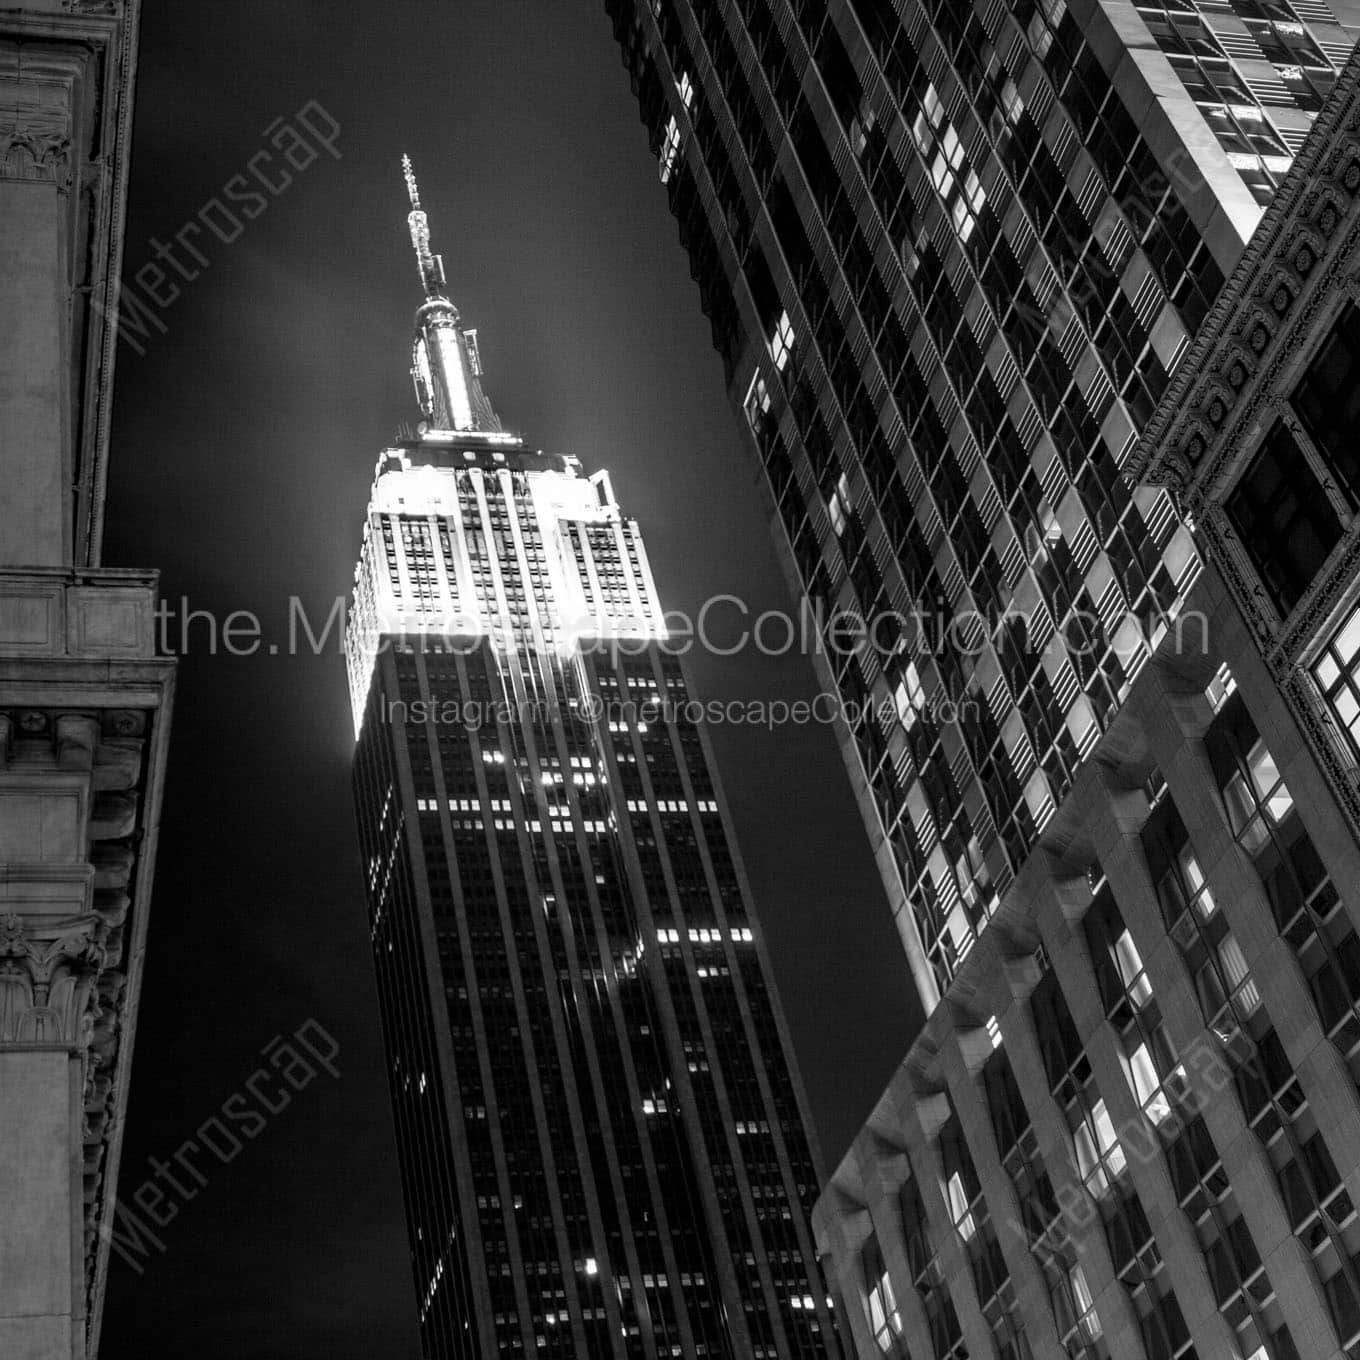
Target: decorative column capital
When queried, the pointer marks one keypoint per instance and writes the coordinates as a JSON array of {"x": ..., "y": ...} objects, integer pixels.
[{"x": 49, "y": 969}]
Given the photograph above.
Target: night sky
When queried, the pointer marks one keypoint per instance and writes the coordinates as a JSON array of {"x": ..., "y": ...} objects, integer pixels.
[{"x": 244, "y": 441}]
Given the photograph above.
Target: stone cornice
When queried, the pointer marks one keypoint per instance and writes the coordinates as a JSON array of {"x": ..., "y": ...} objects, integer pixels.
[
  {"x": 139, "y": 910},
  {"x": 1293, "y": 251}
]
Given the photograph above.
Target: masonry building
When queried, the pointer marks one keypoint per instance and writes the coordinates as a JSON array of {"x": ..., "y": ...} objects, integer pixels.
[{"x": 84, "y": 701}]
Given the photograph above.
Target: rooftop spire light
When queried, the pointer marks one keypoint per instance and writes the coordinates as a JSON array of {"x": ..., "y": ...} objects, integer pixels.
[
  {"x": 445, "y": 366},
  {"x": 431, "y": 266}
]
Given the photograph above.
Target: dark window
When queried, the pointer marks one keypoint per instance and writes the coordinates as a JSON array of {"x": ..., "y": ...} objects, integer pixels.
[
  {"x": 1328, "y": 402},
  {"x": 1285, "y": 520}
]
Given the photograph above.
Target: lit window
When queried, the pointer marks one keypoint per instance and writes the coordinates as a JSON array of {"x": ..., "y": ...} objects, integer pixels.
[
  {"x": 1011, "y": 101},
  {"x": 1147, "y": 1086},
  {"x": 924, "y": 126},
  {"x": 1130, "y": 966},
  {"x": 967, "y": 204},
  {"x": 1085, "y": 1304},
  {"x": 1202, "y": 899},
  {"x": 1221, "y": 688},
  {"x": 1250, "y": 804},
  {"x": 757, "y": 403},
  {"x": 909, "y": 697},
  {"x": 1098, "y": 1150},
  {"x": 1337, "y": 672},
  {"x": 670, "y": 150},
  {"x": 880, "y": 1303},
  {"x": 781, "y": 342},
  {"x": 1237, "y": 976},
  {"x": 838, "y": 507},
  {"x": 958, "y": 1208},
  {"x": 685, "y": 88}
]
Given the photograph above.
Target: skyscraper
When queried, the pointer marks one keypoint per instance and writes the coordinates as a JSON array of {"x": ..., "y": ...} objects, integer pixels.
[
  {"x": 955, "y": 256},
  {"x": 600, "y": 1132},
  {"x": 1140, "y": 1110},
  {"x": 951, "y": 254}
]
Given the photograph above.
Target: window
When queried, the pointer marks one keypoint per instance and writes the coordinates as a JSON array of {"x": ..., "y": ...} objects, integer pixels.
[
  {"x": 1044, "y": 24},
  {"x": 1083, "y": 1306},
  {"x": 1303, "y": 899},
  {"x": 1327, "y": 400},
  {"x": 1220, "y": 689},
  {"x": 928, "y": 120},
  {"x": 757, "y": 406},
  {"x": 885, "y": 1322},
  {"x": 1256, "y": 798},
  {"x": 1337, "y": 672},
  {"x": 781, "y": 342},
  {"x": 927, "y": 1277},
  {"x": 1284, "y": 518},
  {"x": 838, "y": 505},
  {"x": 1099, "y": 1155},
  {"x": 1011, "y": 101},
  {"x": 958, "y": 1207},
  {"x": 1130, "y": 967},
  {"x": 670, "y": 150}
]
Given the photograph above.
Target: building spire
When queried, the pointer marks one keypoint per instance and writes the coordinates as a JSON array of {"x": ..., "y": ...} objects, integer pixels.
[
  {"x": 446, "y": 367},
  {"x": 431, "y": 266}
]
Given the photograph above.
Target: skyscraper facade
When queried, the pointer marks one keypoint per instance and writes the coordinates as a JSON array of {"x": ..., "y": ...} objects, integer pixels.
[
  {"x": 601, "y": 1137},
  {"x": 84, "y": 699},
  {"x": 952, "y": 254},
  {"x": 955, "y": 257},
  {"x": 1136, "y": 1124}
]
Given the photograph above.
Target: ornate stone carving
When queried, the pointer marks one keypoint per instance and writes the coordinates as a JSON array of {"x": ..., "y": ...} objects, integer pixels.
[
  {"x": 25, "y": 154},
  {"x": 1280, "y": 266},
  {"x": 48, "y": 971},
  {"x": 35, "y": 132}
]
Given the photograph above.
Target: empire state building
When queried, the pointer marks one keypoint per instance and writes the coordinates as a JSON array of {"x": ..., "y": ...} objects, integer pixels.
[{"x": 601, "y": 1133}]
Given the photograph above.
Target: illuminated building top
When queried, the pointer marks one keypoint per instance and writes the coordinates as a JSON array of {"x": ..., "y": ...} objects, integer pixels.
[{"x": 472, "y": 534}]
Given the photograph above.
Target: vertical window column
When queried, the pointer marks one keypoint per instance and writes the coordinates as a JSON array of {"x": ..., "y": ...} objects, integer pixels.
[
  {"x": 964, "y": 1061},
  {"x": 1123, "y": 1144},
  {"x": 1207, "y": 1122},
  {"x": 1091, "y": 1305},
  {"x": 1237, "y": 886}
]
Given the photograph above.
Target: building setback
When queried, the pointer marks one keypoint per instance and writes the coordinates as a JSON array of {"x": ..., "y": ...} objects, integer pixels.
[
  {"x": 84, "y": 700},
  {"x": 600, "y": 1131}
]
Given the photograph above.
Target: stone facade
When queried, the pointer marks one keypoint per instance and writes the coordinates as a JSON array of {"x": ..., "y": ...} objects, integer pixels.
[{"x": 84, "y": 700}]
